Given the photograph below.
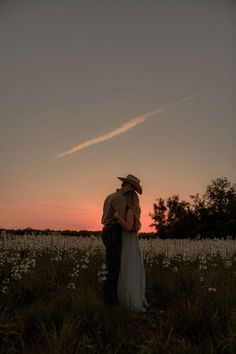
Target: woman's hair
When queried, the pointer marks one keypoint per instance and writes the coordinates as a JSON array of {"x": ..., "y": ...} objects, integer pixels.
[{"x": 133, "y": 204}]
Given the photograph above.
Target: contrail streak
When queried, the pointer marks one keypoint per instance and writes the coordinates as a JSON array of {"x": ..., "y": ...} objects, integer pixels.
[{"x": 125, "y": 127}]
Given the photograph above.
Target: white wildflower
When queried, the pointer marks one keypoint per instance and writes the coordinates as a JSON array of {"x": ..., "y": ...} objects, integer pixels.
[
  {"x": 71, "y": 286},
  {"x": 212, "y": 290},
  {"x": 166, "y": 263},
  {"x": 84, "y": 266},
  {"x": 103, "y": 266}
]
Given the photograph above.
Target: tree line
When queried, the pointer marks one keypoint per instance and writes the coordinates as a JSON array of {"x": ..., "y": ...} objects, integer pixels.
[
  {"x": 212, "y": 215},
  {"x": 48, "y": 232}
]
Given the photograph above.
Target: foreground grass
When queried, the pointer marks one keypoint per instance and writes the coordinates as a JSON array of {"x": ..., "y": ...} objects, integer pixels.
[{"x": 51, "y": 303}]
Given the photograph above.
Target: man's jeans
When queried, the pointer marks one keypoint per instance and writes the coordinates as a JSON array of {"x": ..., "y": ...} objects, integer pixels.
[{"x": 111, "y": 237}]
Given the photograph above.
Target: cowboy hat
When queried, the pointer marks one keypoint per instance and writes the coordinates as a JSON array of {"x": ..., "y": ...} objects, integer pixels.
[{"x": 134, "y": 181}]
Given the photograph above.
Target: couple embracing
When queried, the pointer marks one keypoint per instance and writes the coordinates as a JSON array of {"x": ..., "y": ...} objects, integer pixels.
[{"x": 125, "y": 281}]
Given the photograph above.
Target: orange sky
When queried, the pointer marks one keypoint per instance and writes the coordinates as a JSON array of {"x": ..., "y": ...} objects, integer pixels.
[{"x": 43, "y": 217}]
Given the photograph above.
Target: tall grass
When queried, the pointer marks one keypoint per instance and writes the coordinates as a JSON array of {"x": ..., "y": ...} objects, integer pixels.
[{"x": 51, "y": 301}]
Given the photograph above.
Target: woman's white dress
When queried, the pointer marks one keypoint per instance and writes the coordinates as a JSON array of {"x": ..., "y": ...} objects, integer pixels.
[{"x": 131, "y": 281}]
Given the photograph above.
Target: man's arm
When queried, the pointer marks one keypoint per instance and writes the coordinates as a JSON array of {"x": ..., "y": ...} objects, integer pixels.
[{"x": 127, "y": 223}]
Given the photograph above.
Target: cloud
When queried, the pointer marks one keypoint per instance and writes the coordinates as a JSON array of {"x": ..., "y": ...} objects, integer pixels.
[{"x": 124, "y": 128}]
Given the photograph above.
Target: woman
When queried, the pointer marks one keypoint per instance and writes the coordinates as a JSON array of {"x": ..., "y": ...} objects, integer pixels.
[{"x": 131, "y": 281}]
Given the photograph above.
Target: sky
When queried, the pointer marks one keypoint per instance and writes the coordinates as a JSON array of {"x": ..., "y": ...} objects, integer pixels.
[{"x": 94, "y": 90}]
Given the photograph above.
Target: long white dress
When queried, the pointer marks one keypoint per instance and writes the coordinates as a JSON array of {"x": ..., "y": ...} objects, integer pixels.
[{"x": 131, "y": 281}]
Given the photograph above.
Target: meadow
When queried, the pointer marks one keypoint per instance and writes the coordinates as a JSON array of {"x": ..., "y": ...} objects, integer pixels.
[{"x": 51, "y": 298}]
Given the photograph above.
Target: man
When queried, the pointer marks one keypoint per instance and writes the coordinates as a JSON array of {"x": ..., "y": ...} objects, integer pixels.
[{"x": 112, "y": 232}]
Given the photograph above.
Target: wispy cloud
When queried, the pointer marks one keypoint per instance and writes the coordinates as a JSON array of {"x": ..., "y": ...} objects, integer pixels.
[{"x": 125, "y": 127}]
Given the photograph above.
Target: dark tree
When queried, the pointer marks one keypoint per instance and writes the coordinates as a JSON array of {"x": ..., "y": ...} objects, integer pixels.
[
  {"x": 212, "y": 215},
  {"x": 220, "y": 198},
  {"x": 159, "y": 218}
]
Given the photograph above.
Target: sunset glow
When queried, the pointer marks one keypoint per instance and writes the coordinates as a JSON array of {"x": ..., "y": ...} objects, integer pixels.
[{"x": 89, "y": 93}]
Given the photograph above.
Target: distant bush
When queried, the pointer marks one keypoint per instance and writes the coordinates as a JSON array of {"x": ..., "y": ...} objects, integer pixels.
[{"x": 37, "y": 232}]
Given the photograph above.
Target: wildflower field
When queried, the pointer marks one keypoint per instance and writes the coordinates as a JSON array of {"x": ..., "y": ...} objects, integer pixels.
[{"x": 51, "y": 298}]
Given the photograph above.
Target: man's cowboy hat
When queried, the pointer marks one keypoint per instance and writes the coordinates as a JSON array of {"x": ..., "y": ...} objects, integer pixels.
[{"x": 134, "y": 181}]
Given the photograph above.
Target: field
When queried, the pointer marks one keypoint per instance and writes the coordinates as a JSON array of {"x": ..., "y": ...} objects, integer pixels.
[{"x": 51, "y": 298}]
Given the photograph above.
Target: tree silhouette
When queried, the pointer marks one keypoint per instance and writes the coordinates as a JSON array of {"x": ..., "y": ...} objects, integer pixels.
[{"x": 212, "y": 215}]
